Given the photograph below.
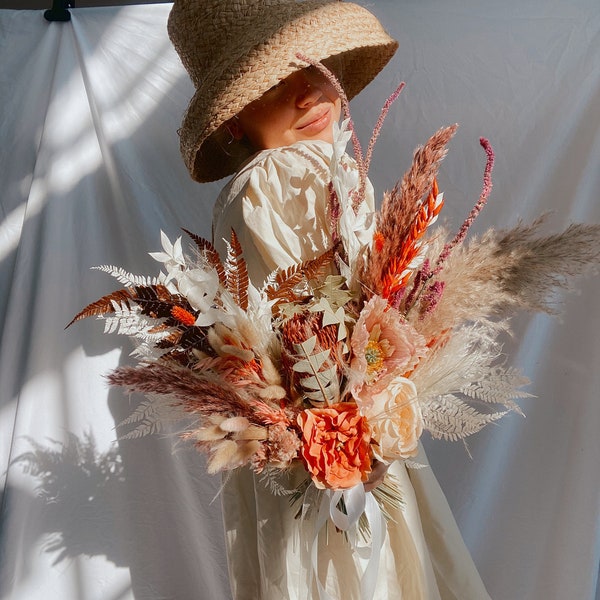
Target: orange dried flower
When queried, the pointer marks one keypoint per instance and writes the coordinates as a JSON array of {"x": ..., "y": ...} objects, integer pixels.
[
  {"x": 335, "y": 445},
  {"x": 378, "y": 241},
  {"x": 401, "y": 266},
  {"x": 183, "y": 316}
]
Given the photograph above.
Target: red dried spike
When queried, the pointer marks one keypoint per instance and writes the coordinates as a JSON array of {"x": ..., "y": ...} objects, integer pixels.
[{"x": 481, "y": 202}]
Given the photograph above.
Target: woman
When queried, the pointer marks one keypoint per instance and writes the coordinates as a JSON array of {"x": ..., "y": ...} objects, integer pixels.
[{"x": 260, "y": 113}]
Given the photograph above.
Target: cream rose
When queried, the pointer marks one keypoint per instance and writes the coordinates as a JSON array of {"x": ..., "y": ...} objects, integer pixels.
[{"x": 395, "y": 419}]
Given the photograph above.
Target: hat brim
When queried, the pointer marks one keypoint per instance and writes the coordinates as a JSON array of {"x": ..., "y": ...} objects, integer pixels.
[{"x": 344, "y": 36}]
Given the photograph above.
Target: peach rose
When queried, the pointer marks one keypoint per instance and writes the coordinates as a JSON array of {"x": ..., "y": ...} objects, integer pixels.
[
  {"x": 335, "y": 445},
  {"x": 395, "y": 419}
]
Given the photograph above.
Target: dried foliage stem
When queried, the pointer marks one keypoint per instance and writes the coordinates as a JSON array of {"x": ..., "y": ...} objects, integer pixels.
[
  {"x": 376, "y": 131},
  {"x": 333, "y": 80},
  {"x": 483, "y": 198},
  {"x": 402, "y": 206},
  {"x": 382, "y": 115},
  {"x": 196, "y": 393}
]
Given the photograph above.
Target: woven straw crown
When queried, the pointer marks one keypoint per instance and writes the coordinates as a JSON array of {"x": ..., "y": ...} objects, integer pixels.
[{"x": 235, "y": 50}]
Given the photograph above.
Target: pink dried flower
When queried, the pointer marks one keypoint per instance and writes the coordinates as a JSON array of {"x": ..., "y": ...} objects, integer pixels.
[
  {"x": 430, "y": 298},
  {"x": 279, "y": 450},
  {"x": 383, "y": 345}
]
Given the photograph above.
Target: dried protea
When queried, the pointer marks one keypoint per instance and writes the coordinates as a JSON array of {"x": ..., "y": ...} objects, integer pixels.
[{"x": 311, "y": 357}]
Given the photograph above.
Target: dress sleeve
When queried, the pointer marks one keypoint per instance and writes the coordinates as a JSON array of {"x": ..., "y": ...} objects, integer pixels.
[{"x": 279, "y": 213}]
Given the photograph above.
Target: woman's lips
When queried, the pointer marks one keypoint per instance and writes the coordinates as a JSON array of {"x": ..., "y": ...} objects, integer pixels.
[{"x": 316, "y": 123}]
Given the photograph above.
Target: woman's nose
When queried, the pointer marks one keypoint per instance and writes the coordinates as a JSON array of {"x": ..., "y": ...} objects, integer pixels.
[{"x": 308, "y": 92}]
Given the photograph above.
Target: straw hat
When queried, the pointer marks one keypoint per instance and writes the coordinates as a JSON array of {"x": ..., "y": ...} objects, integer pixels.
[{"x": 235, "y": 50}]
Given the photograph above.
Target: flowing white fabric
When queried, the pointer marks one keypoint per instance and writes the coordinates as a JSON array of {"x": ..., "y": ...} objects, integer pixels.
[
  {"x": 91, "y": 173},
  {"x": 277, "y": 205}
]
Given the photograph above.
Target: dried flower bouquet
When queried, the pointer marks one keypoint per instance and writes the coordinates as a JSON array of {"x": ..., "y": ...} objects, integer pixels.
[{"x": 345, "y": 359}]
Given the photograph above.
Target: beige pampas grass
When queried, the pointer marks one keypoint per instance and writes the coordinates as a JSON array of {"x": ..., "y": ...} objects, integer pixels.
[
  {"x": 542, "y": 265},
  {"x": 515, "y": 269}
]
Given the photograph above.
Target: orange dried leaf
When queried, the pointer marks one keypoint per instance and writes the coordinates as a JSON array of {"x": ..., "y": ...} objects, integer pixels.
[
  {"x": 378, "y": 241},
  {"x": 398, "y": 272}
]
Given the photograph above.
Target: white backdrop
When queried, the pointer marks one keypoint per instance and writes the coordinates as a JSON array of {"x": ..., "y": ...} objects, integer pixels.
[{"x": 90, "y": 173}]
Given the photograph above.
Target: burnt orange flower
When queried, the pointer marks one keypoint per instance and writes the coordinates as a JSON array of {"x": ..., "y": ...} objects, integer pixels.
[
  {"x": 378, "y": 241},
  {"x": 183, "y": 316},
  {"x": 335, "y": 445}
]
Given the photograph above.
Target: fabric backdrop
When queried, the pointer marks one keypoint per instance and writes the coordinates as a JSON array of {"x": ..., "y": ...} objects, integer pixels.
[{"x": 90, "y": 173}]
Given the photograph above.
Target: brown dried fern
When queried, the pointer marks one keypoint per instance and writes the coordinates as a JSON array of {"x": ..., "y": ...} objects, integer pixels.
[
  {"x": 104, "y": 305},
  {"x": 154, "y": 300},
  {"x": 286, "y": 280},
  {"x": 236, "y": 272},
  {"x": 210, "y": 254}
]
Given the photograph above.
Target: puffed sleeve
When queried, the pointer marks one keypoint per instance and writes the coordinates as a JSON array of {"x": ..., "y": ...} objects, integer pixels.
[{"x": 277, "y": 207}]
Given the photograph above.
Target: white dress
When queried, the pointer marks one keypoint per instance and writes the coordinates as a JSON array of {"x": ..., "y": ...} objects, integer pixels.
[{"x": 276, "y": 204}]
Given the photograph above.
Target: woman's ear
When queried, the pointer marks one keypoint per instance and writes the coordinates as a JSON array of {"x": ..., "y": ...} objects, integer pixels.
[{"x": 235, "y": 128}]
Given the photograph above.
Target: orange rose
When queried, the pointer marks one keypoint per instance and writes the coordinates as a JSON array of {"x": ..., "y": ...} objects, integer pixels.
[{"x": 335, "y": 445}]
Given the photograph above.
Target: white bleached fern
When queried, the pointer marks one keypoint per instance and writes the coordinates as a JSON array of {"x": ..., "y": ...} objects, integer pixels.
[
  {"x": 449, "y": 418},
  {"x": 500, "y": 386},
  {"x": 151, "y": 417},
  {"x": 127, "y": 278},
  {"x": 461, "y": 376},
  {"x": 130, "y": 321}
]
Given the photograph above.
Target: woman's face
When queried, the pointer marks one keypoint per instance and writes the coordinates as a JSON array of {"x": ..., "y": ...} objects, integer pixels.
[{"x": 303, "y": 106}]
